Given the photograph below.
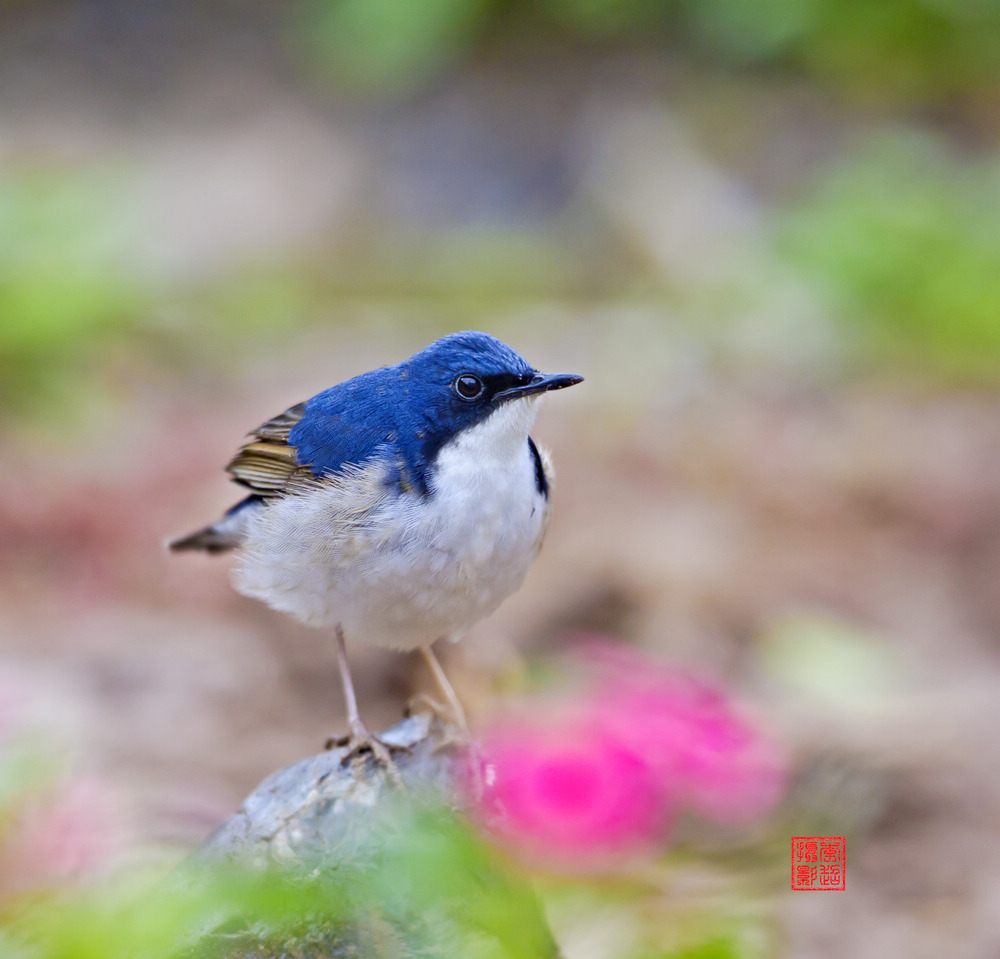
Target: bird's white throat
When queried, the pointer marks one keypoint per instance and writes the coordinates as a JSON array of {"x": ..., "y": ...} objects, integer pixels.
[{"x": 501, "y": 438}]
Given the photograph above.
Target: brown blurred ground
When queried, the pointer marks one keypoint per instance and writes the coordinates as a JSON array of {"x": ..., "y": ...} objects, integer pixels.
[
  {"x": 707, "y": 501},
  {"x": 691, "y": 532}
]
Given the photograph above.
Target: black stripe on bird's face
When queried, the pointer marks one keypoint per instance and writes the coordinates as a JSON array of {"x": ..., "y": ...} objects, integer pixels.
[{"x": 500, "y": 387}]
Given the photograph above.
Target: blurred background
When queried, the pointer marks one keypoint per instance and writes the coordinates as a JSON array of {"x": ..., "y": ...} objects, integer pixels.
[{"x": 766, "y": 231}]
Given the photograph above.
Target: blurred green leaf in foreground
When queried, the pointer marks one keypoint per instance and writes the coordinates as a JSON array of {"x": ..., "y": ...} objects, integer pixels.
[{"x": 439, "y": 891}]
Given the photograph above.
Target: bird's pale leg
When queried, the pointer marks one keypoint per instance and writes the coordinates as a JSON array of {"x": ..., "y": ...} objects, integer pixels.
[
  {"x": 462, "y": 736},
  {"x": 454, "y": 704},
  {"x": 361, "y": 736}
]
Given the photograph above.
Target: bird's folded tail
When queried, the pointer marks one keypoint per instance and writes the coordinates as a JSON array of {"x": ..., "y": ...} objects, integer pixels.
[{"x": 226, "y": 534}]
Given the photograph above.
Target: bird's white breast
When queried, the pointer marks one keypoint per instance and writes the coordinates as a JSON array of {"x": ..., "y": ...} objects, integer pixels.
[{"x": 402, "y": 570}]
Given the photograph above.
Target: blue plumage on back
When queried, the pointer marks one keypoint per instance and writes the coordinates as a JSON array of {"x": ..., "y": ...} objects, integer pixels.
[{"x": 346, "y": 424}]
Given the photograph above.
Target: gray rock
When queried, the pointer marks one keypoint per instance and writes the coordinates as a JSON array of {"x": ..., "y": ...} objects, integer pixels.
[
  {"x": 320, "y": 806},
  {"x": 386, "y": 854}
]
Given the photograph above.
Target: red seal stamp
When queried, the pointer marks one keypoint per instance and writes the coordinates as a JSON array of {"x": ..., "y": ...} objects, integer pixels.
[{"x": 819, "y": 862}]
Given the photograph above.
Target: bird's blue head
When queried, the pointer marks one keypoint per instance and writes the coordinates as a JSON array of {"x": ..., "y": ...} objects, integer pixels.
[
  {"x": 465, "y": 379},
  {"x": 420, "y": 405}
]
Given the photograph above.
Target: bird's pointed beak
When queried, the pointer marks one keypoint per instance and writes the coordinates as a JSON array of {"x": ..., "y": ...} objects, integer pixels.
[{"x": 540, "y": 383}]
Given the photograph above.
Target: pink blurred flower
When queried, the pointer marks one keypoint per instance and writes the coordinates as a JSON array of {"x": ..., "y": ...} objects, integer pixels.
[
  {"x": 600, "y": 777},
  {"x": 708, "y": 754},
  {"x": 76, "y": 829},
  {"x": 556, "y": 788},
  {"x": 711, "y": 758}
]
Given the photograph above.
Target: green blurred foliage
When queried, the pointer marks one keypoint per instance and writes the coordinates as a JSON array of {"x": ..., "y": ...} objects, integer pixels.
[
  {"x": 906, "y": 240},
  {"x": 65, "y": 286},
  {"x": 414, "y": 878},
  {"x": 385, "y": 43},
  {"x": 721, "y": 948},
  {"x": 896, "y": 50},
  {"x": 441, "y": 891},
  {"x": 458, "y": 904},
  {"x": 904, "y": 236},
  {"x": 905, "y": 50}
]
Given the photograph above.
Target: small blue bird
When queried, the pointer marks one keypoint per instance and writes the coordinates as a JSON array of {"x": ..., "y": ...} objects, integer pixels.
[{"x": 397, "y": 508}]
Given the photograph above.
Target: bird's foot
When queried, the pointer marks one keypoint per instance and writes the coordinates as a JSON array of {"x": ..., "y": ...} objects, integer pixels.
[{"x": 362, "y": 740}]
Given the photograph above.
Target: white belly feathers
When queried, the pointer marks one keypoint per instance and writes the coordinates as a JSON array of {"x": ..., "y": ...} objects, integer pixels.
[{"x": 402, "y": 570}]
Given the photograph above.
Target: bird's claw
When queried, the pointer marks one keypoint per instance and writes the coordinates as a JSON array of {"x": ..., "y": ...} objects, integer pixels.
[{"x": 360, "y": 741}]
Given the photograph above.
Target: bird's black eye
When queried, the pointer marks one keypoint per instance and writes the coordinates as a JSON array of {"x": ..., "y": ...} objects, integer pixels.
[{"x": 468, "y": 386}]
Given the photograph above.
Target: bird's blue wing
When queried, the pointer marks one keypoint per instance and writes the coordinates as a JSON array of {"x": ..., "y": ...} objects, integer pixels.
[{"x": 345, "y": 426}]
